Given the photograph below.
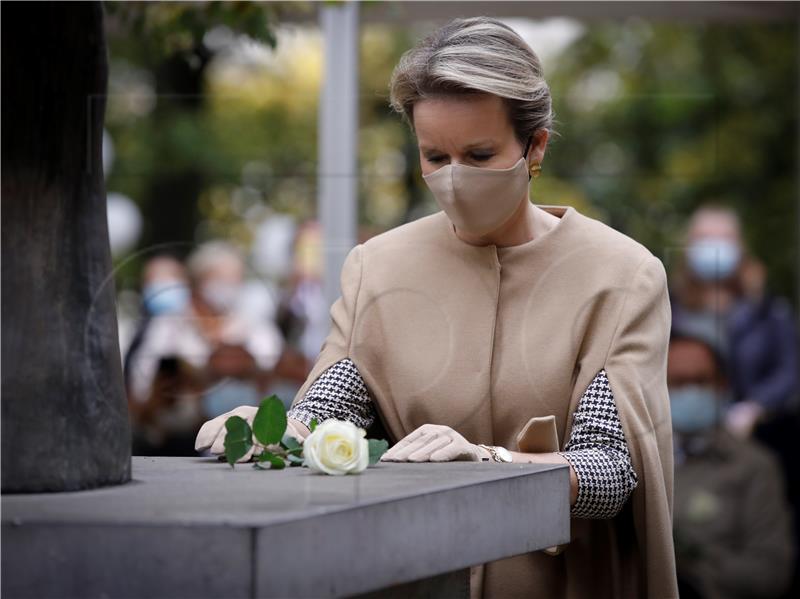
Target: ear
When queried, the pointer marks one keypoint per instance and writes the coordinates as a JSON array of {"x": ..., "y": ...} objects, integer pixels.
[{"x": 538, "y": 147}]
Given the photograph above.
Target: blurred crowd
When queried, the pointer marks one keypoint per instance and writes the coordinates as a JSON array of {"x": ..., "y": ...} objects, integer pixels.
[
  {"x": 210, "y": 338},
  {"x": 733, "y": 385},
  {"x": 212, "y": 335}
]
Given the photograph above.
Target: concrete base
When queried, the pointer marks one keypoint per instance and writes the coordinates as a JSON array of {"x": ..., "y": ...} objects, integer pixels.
[
  {"x": 453, "y": 585},
  {"x": 193, "y": 527}
]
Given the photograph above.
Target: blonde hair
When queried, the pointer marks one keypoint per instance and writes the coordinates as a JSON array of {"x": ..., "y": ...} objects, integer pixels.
[{"x": 474, "y": 55}]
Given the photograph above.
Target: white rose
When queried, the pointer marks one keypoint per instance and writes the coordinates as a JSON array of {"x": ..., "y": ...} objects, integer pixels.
[{"x": 336, "y": 447}]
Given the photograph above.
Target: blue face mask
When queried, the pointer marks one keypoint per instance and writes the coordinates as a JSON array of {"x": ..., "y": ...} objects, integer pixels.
[
  {"x": 713, "y": 259},
  {"x": 694, "y": 408},
  {"x": 165, "y": 297},
  {"x": 229, "y": 394}
]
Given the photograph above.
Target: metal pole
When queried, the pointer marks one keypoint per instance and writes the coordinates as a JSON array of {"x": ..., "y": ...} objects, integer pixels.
[
  {"x": 797, "y": 191},
  {"x": 338, "y": 140}
]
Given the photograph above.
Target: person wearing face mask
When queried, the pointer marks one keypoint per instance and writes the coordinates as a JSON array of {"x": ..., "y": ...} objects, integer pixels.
[
  {"x": 165, "y": 290},
  {"x": 242, "y": 350},
  {"x": 203, "y": 357},
  {"x": 502, "y": 330},
  {"x": 165, "y": 293},
  {"x": 732, "y": 523},
  {"x": 721, "y": 283}
]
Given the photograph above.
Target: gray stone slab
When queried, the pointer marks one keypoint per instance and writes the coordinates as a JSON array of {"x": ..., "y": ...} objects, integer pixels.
[
  {"x": 452, "y": 585},
  {"x": 195, "y": 527},
  {"x": 99, "y": 561}
]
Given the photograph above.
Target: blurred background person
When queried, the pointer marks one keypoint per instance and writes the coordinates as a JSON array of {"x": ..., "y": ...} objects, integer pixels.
[
  {"x": 722, "y": 283},
  {"x": 304, "y": 313},
  {"x": 732, "y": 521},
  {"x": 165, "y": 290},
  {"x": 240, "y": 347},
  {"x": 196, "y": 362},
  {"x": 165, "y": 286},
  {"x": 722, "y": 286}
]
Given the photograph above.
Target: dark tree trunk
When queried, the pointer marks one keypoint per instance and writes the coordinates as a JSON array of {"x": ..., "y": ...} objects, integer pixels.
[{"x": 64, "y": 415}]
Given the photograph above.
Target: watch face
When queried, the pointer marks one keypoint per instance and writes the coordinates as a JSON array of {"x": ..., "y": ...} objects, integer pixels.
[{"x": 504, "y": 454}]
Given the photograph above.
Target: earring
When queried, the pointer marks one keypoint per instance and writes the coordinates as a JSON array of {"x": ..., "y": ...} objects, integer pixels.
[{"x": 536, "y": 169}]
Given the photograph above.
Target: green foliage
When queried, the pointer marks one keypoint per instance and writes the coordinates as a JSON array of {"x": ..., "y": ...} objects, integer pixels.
[
  {"x": 238, "y": 439},
  {"x": 269, "y": 429},
  {"x": 290, "y": 444},
  {"x": 312, "y": 425},
  {"x": 294, "y": 460},
  {"x": 659, "y": 118},
  {"x": 170, "y": 27},
  {"x": 276, "y": 462},
  {"x": 376, "y": 449},
  {"x": 655, "y": 118},
  {"x": 269, "y": 423}
]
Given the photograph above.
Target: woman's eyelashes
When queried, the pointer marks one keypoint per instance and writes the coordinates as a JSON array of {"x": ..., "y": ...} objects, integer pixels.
[{"x": 474, "y": 157}]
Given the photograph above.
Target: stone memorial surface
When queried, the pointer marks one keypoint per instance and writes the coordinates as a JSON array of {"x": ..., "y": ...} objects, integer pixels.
[{"x": 193, "y": 527}]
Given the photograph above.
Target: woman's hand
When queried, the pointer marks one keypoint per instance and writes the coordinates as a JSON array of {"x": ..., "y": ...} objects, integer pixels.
[
  {"x": 434, "y": 443},
  {"x": 212, "y": 433}
]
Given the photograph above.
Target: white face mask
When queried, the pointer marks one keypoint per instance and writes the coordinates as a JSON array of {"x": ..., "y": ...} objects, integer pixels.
[
  {"x": 479, "y": 200},
  {"x": 221, "y": 296},
  {"x": 713, "y": 259}
]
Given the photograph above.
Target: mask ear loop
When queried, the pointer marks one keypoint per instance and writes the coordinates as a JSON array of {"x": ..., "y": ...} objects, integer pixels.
[{"x": 525, "y": 155}]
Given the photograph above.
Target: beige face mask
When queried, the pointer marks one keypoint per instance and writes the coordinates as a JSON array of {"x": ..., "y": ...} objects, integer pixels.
[{"x": 479, "y": 200}]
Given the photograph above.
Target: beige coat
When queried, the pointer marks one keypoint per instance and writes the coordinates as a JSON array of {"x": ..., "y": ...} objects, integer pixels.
[{"x": 481, "y": 339}]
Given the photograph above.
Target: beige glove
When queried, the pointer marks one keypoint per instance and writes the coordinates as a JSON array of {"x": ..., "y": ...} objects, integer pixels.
[
  {"x": 433, "y": 443},
  {"x": 212, "y": 433}
]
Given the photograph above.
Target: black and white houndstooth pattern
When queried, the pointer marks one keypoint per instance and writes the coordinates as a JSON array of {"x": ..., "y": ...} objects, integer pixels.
[
  {"x": 338, "y": 393},
  {"x": 599, "y": 454},
  {"x": 596, "y": 449}
]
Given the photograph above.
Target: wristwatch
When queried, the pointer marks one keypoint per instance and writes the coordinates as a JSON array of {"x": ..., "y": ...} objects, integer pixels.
[{"x": 499, "y": 454}]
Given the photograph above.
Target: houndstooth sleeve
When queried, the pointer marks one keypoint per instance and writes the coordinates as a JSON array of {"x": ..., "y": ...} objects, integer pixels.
[
  {"x": 338, "y": 393},
  {"x": 599, "y": 454}
]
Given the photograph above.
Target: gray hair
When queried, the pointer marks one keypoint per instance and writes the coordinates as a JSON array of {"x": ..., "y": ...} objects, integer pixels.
[
  {"x": 211, "y": 255},
  {"x": 478, "y": 54}
]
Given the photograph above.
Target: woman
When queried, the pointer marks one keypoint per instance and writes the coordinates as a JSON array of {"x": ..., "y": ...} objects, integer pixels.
[{"x": 457, "y": 330}]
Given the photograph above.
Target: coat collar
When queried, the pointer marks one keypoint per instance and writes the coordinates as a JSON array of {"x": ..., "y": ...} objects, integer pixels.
[{"x": 567, "y": 215}]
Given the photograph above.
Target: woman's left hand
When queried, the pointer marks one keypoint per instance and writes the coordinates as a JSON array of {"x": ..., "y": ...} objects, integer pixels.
[{"x": 434, "y": 443}]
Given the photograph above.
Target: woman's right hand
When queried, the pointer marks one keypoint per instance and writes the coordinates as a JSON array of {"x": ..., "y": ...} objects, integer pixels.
[{"x": 212, "y": 434}]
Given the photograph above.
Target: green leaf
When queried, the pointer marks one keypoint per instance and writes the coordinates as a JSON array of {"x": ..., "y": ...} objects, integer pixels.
[
  {"x": 276, "y": 462},
  {"x": 290, "y": 443},
  {"x": 270, "y": 421},
  {"x": 295, "y": 460},
  {"x": 238, "y": 439},
  {"x": 376, "y": 449},
  {"x": 313, "y": 424}
]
